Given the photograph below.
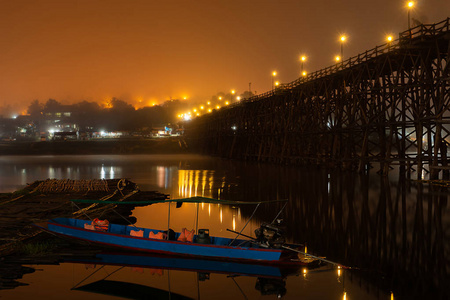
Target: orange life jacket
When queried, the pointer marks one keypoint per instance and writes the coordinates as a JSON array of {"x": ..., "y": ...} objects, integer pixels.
[
  {"x": 100, "y": 225},
  {"x": 186, "y": 235}
]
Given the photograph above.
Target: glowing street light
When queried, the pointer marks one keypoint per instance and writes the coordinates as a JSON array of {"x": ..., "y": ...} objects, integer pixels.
[
  {"x": 238, "y": 98},
  {"x": 389, "y": 40},
  {"x": 274, "y": 73},
  {"x": 304, "y": 73},
  {"x": 343, "y": 38},
  {"x": 410, "y": 5},
  {"x": 302, "y": 59},
  {"x": 337, "y": 58}
]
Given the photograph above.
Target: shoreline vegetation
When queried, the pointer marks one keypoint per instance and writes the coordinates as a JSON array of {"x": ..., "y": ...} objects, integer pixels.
[{"x": 101, "y": 146}]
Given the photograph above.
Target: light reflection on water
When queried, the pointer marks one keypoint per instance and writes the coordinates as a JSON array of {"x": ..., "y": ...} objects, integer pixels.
[
  {"x": 56, "y": 282},
  {"x": 343, "y": 215}
]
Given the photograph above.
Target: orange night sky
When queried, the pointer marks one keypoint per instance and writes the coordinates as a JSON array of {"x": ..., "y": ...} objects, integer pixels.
[{"x": 148, "y": 50}]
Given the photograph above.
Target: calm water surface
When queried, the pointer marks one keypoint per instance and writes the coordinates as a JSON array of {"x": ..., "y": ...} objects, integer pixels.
[{"x": 394, "y": 229}]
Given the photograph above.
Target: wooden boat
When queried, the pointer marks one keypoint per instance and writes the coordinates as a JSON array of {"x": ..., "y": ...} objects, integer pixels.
[
  {"x": 267, "y": 248},
  {"x": 219, "y": 248}
]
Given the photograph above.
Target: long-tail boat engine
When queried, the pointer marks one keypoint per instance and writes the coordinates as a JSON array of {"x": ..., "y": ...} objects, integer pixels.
[{"x": 271, "y": 235}]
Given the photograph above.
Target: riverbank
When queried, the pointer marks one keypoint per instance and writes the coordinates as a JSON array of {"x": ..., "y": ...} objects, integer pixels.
[
  {"x": 47, "y": 199},
  {"x": 168, "y": 145}
]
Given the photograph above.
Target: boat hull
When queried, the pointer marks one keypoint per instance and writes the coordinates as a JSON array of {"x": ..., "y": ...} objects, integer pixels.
[{"x": 118, "y": 236}]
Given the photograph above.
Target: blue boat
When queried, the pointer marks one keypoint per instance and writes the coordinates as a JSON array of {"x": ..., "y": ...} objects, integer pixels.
[
  {"x": 267, "y": 248},
  {"x": 219, "y": 247}
]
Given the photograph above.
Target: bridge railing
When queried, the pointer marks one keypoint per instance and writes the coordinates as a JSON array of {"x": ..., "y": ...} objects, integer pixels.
[{"x": 404, "y": 38}]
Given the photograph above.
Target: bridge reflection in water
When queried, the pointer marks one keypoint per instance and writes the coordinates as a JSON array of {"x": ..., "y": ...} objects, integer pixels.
[{"x": 392, "y": 228}]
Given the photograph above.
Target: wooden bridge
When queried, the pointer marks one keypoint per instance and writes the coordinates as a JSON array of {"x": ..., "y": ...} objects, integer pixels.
[{"x": 387, "y": 106}]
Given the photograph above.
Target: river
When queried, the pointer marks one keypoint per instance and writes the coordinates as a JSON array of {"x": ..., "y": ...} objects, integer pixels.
[{"x": 392, "y": 230}]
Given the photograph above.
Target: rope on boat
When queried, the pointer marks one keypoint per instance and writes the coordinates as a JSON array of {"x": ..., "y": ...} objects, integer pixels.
[
  {"x": 90, "y": 207},
  {"x": 83, "y": 210}
]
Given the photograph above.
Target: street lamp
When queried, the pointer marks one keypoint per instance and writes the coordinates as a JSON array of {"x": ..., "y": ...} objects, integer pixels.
[
  {"x": 274, "y": 73},
  {"x": 410, "y": 6},
  {"x": 342, "y": 39},
  {"x": 389, "y": 40},
  {"x": 337, "y": 58},
  {"x": 302, "y": 59},
  {"x": 232, "y": 94}
]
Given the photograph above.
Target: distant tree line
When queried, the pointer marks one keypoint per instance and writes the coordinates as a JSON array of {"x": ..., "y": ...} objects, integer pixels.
[{"x": 118, "y": 115}]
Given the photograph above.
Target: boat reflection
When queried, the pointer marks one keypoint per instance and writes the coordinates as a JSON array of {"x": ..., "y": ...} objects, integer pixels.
[
  {"x": 270, "y": 279},
  {"x": 128, "y": 290}
]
